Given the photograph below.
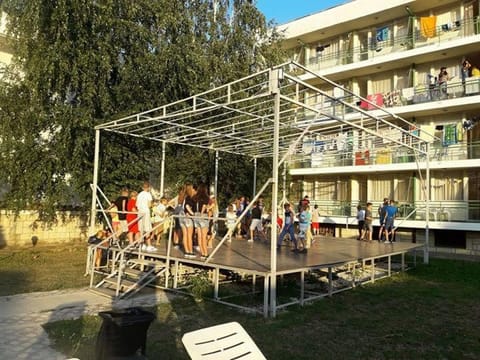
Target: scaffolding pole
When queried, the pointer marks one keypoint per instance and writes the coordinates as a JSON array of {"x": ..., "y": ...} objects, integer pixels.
[
  {"x": 93, "y": 213},
  {"x": 215, "y": 188},
  {"x": 162, "y": 171},
  {"x": 274, "y": 82},
  {"x": 427, "y": 210},
  {"x": 254, "y": 177}
]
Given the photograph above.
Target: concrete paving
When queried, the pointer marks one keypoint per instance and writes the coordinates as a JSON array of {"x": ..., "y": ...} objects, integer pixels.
[{"x": 21, "y": 318}]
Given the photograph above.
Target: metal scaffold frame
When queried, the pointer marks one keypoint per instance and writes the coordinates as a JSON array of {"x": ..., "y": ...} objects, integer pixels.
[{"x": 266, "y": 115}]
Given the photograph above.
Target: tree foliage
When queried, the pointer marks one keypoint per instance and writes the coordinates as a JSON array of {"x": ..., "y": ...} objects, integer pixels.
[{"x": 79, "y": 63}]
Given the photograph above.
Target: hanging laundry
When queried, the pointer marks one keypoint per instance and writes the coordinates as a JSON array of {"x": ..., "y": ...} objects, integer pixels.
[
  {"x": 382, "y": 34},
  {"x": 460, "y": 131},
  {"x": 449, "y": 134},
  {"x": 428, "y": 26},
  {"x": 426, "y": 132}
]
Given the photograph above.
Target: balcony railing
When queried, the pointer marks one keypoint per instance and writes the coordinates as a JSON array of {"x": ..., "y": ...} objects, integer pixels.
[
  {"x": 441, "y": 210},
  {"x": 384, "y": 156},
  {"x": 442, "y": 33}
]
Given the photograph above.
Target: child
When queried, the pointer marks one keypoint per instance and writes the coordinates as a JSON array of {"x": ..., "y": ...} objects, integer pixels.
[
  {"x": 368, "y": 227},
  {"x": 159, "y": 218},
  {"x": 303, "y": 225},
  {"x": 98, "y": 238},
  {"x": 231, "y": 218}
]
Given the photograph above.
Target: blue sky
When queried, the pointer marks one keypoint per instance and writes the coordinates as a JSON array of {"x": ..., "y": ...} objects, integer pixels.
[{"x": 285, "y": 10}]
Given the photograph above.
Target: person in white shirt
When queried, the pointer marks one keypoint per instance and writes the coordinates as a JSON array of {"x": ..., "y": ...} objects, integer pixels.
[{"x": 144, "y": 204}]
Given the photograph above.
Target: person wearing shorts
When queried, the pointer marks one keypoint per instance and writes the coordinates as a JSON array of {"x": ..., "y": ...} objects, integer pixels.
[
  {"x": 144, "y": 205},
  {"x": 256, "y": 223},
  {"x": 368, "y": 224}
]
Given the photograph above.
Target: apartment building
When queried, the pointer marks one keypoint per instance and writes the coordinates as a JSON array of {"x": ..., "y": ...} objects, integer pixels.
[{"x": 394, "y": 54}]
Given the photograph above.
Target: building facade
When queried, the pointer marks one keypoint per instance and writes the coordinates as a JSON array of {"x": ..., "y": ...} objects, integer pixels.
[
  {"x": 406, "y": 56},
  {"x": 5, "y": 50}
]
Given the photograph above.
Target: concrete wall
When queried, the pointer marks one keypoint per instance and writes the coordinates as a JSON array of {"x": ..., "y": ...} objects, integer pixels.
[{"x": 22, "y": 228}]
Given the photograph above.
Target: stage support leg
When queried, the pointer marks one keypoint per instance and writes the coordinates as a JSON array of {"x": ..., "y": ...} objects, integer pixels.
[
  {"x": 389, "y": 265},
  {"x": 302, "y": 288},
  {"x": 216, "y": 278},
  {"x": 175, "y": 278},
  {"x": 403, "y": 261},
  {"x": 266, "y": 288},
  {"x": 254, "y": 282},
  {"x": 373, "y": 271},
  {"x": 330, "y": 281}
]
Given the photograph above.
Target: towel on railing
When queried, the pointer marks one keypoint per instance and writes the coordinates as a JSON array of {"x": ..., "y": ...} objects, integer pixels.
[
  {"x": 449, "y": 134},
  {"x": 382, "y": 34},
  {"x": 427, "y": 26}
]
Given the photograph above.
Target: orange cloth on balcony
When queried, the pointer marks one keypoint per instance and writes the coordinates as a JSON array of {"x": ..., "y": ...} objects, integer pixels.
[{"x": 428, "y": 26}]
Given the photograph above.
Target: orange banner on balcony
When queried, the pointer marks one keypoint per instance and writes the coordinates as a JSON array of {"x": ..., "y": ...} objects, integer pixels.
[{"x": 428, "y": 26}]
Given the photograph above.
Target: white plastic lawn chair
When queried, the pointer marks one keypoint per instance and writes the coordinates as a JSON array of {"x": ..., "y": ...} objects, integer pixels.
[{"x": 221, "y": 342}]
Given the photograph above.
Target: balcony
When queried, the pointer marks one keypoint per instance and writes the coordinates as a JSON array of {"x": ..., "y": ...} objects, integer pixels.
[
  {"x": 410, "y": 214},
  {"x": 383, "y": 157},
  {"x": 442, "y": 34}
]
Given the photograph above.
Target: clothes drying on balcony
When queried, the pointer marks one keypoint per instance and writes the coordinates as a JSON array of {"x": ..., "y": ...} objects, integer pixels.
[
  {"x": 376, "y": 99},
  {"x": 382, "y": 34},
  {"x": 449, "y": 134},
  {"x": 392, "y": 98},
  {"x": 426, "y": 132},
  {"x": 428, "y": 26}
]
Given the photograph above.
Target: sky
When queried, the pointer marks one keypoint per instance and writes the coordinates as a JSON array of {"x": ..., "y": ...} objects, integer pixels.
[{"x": 283, "y": 11}]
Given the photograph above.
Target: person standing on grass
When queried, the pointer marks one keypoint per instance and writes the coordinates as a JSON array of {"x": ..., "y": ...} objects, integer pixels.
[
  {"x": 390, "y": 214},
  {"x": 368, "y": 227},
  {"x": 315, "y": 220},
  {"x": 288, "y": 226},
  {"x": 360, "y": 220}
]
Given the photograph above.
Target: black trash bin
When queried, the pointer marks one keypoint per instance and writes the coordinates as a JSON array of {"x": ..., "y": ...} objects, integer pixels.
[{"x": 122, "y": 333}]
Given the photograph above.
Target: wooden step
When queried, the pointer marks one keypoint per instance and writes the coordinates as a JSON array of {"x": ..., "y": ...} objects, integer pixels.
[
  {"x": 103, "y": 291},
  {"x": 150, "y": 263},
  {"x": 123, "y": 283}
]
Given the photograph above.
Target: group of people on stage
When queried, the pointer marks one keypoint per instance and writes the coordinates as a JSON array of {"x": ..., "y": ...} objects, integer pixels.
[
  {"x": 387, "y": 213},
  {"x": 139, "y": 216}
]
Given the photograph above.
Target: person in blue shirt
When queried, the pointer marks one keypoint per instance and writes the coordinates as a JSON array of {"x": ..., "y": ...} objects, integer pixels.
[
  {"x": 288, "y": 226},
  {"x": 390, "y": 214}
]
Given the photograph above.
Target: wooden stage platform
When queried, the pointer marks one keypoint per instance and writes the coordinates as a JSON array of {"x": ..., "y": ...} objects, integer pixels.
[
  {"x": 344, "y": 263},
  {"x": 254, "y": 257}
]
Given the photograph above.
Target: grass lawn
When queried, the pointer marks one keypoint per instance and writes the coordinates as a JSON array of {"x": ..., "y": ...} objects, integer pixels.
[
  {"x": 431, "y": 312},
  {"x": 42, "y": 268}
]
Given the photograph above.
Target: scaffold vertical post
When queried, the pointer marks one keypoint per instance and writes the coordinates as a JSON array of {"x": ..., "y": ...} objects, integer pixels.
[
  {"x": 96, "y": 157},
  {"x": 427, "y": 210},
  {"x": 254, "y": 177},
  {"x": 215, "y": 185},
  {"x": 162, "y": 170},
  {"x": 275, "y": 77}
]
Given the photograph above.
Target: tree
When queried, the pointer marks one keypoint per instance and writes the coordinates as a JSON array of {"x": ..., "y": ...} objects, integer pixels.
[{"x": 79, "y": 63}]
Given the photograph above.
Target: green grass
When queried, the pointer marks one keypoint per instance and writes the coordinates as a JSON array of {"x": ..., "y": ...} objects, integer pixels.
[
  {"x": 42, "y": 268},
  {"x": 431, "y": 312}
]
